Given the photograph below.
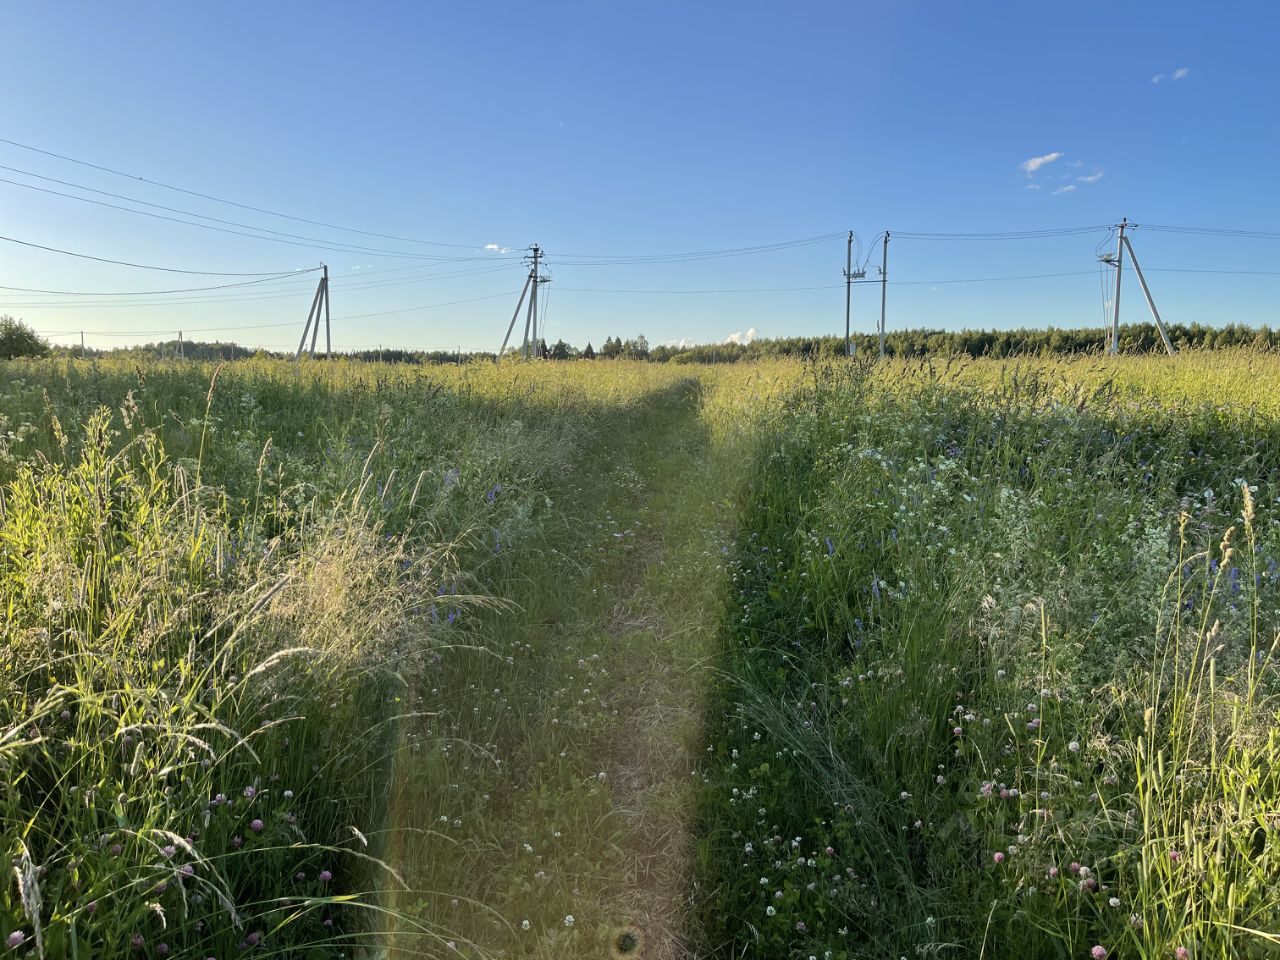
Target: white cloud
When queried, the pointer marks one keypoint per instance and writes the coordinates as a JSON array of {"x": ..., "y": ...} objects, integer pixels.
[
  {"x": 1033, "y": 186},
  {"x": 744, "y": 338},
  {"x": 1157, "y": 78},
  {"x": 1069, "y": 188},
  {"x": 1035, "y": 163},
  {"x": 1181, "y": 72},
  {"x": 682, "y": 343},
  {"x": 497, "y": 249},
  {"x": 1091, "y": 178}
]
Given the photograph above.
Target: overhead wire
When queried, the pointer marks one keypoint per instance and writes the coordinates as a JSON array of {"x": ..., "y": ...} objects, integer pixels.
[
  {"x": 233, "y": 203},
  {"x": 146, "y": 266},
  {"x": 257, "y": 232}
]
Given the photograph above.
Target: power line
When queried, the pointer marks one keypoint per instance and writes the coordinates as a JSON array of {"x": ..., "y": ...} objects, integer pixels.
[
  {"x": 233, "y": 203},
  {"x": 594, "y": 260},
  {"x": 259, "y": 326},
  {"x": 837, "y": 286},
  {"x": 312, "y": 243},
  {"x": 143, "y": 293},
  {"x": 145, "y": 266},
  {"x": 240, "y": 298},
  {"x": 1003, "y": 235},
  {"x": 1213, "y": 231},
  {"x": 427, "y": 306}
]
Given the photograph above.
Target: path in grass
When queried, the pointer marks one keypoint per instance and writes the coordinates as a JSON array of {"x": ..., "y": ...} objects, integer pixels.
[{"x": 548, "y": 804}]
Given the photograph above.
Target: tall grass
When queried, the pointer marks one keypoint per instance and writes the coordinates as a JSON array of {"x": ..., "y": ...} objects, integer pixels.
[
  {"x": 995, "y": 681},
  {"x": 216, "y": 596}
]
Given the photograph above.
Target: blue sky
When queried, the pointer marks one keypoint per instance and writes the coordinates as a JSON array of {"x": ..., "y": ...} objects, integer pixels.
[{"x": 602, "y": 128}]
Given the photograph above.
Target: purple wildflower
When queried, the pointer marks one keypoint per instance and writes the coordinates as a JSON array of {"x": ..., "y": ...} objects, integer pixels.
[{"x": 16, "y": 939}]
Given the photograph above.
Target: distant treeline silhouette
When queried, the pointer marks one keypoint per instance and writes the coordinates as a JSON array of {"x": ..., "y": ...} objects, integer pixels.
[{"x": 1024, "y": 341}]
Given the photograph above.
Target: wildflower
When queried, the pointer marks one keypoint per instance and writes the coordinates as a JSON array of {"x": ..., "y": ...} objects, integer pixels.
[
  {"x": 253, "y": 939},
  {"x": 168, "y": 850},
  {"x": 256, "y": 825},
  {"x": 16, "y": 939},
  {"x": 162, "y": 948},
  {"x": 250, "y": 793},
  {"x": 325, "y": 876},
  {"x": 136, "y": 941},
  {"x": 1053, "y": 873},
  {"x": 1099, "y": 952},
  {"x": 568, "y": 920},
  {"x": 998, "y": 857},
  {"x": 1114, "y": 901},
  {"x": 525, "y": 925},
  {"x": 1182, "y": 953},
  {"x": 1175, "y": 856},
  {"x": 1074, "y": 746},
  {"x": 769, "y": 911}
]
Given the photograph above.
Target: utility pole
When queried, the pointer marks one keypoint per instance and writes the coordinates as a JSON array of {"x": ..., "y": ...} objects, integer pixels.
[
  {"x": 181, "y": 353},
  {"x": 1115, "y": 303},
  {"x": 1123, "y": 243},
  {"x": 849, "y": 276},
  {"x": 884, "y": 289},
  {"x": 328, "y": 339},
  {"x": 313, "y": 318},
  {"x": 512, "y": 325},
  {"x": 533, "y": 298},
  {"x": 81, "y": 344},
  {"x": 531, "y": 347}
]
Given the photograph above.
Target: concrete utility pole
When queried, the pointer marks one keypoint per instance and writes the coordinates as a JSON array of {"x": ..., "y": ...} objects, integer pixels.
[
  {"x": 182, "y": 355},
  {"x": 82, "y": 343},
  {"x": 531, "y": 345},
  {"x": 849, "y": 276},
  {"x": 884, "y": 289},
  {"x": 1115, "y": 303},
  {"x": 328, "y": 339},
  {"x": 313, "y": 318},
  {"x": 1123, "y": 243},
  {"x": 512, "y": 325}
]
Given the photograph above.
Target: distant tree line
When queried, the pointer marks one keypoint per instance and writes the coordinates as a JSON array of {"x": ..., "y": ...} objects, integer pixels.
[{"x": 18, "y": 340}]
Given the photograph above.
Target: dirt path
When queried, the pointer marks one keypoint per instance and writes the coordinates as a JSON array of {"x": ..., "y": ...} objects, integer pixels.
[
  {"x": 551, "y": 796},
  {"x": 663, "y": 635}
]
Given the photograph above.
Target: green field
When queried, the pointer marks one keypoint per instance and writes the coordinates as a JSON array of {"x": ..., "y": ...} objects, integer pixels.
[{"x": 557, "y": 660}]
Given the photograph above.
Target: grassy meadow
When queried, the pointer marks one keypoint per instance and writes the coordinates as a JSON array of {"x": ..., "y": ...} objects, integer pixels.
[{"x": 776, "y": 660}]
